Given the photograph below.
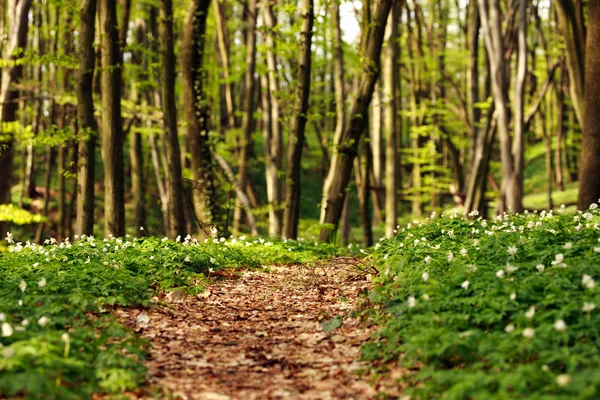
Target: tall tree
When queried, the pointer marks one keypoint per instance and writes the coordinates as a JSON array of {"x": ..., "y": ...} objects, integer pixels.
[
  {"x": 297, "y": 132},
  {"x": 173, "y": 152},
  {"x": 274, "y": 143},
  {"x": 589, "y": 170},
  {"x": 391, "y": 78},
  {"x": 17, "y": 20},
  {"x": 246, "y": 143},
  {"x": 197, "y": 111},
  {"x": 338, "y": 177},
  {"x": 511, "y": 197},
  {"x": 571, "y": 23},
  {"x": 112, "y": 131}
]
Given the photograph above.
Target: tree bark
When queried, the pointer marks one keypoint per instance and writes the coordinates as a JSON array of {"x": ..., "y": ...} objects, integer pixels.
[
  {"x": 275, "y": 146},
  {"x": 511, "y": 196},
  {"x": 246, "y": 143},
  {"x": 336, "y": 183},
  {"x": 86, "y": 144},
  {"x": 391, "y": 78},
  {"x": 570, "y": 21},
  {"x": 197, "y": 112},
  {"x": 17, "y": 20},
  {"x": 297, "y": 132},
  {"x": 589, "y": 165},
  {"x": 112, "y": 132},
  {"x": 172, "y": 149}
]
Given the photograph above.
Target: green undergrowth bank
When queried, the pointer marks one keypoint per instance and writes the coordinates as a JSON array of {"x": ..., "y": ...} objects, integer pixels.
[
  {"x": 59, "y": 338},
  {"x": 503, "y": 309}
]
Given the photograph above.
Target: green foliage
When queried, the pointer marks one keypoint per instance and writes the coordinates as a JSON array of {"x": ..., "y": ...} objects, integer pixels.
[
  {"x": 12, "y": 213},
  {"x": 492, "y": 309}
]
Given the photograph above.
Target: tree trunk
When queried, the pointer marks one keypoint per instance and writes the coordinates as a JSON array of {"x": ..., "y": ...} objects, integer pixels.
[
  {"x": 197, "y": 113},
  {"x": 223, "y": 47},
  {"x": 112, "y": 133},
  {"x": 17, "y": 20},
  {"x": 86, "y": 144},
  {"x": 390, "y": 78},
  {"x": 173, "y": 152},
  {"x": 334, "y": 189},
  {"x": 474, "y": 24},
  {"x": 275, "y": 148},
  {"x": 589, "y": 165},
  {"x": 560, "y": 129},
  {"x": 570, "y": 21},
  {"x": 511, "y": 196},
  {"x": 246, "y": 143},
  {"x": 297, "y": 132}
]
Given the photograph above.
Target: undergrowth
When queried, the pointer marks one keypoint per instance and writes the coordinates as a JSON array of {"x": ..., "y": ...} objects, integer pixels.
[
  {"x": 59, "y": 337},
  {"x": 501, "y": 309}
]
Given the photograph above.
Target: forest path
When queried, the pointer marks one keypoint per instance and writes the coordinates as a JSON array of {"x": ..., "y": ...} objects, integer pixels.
[{"x": 259, "y": 336}]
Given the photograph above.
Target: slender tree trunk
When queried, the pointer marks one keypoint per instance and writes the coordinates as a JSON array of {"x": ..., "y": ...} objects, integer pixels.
[
  {"x": 112, "y": 133},
  {"x": 17, "y": 22},
  {"x": 334, "y": 189},
  {"x": 46, "y": 200},
  {"x": 511, "y": 196},
  {"x": 197, "y": 113},
  {"x": 223, "y": 47},
  {"x": 589, "y": 170},
  {"x": 275, "y": 150},
  {"x": 474, "y": 24},
  {"x": 560, "y": 129},
  {"x": 391, "y": 78},
  {"x": 362, "y": 167},
  {"x": 519, "y": 113},
  {"x": 570, "y": 21},
  {"x": 248, "y": 117},
  {"x": 297, "y": 132},
  {"x": 86, "y": 144},
  {"x": 173, "y": 172}
]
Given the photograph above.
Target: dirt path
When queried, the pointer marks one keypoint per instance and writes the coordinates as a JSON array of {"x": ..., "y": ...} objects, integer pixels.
[{"x": 258, "y": 336}]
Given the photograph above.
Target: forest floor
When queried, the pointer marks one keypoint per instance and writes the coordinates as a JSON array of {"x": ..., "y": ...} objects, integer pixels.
[{"x": 262, "y": 335}]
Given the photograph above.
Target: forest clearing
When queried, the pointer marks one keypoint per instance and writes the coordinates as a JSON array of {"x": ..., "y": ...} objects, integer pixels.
[{"x": 300, "y": 199}]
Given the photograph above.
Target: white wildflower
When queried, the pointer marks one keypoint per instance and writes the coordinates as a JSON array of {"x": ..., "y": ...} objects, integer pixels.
[
  {"x": 23, "y": 286},
  {"x": 412, "y": 301},
  {"x": 588, "y": 281},
  {"x": 9, "y": 238},
  {"x": 563, "y": 380},
  {"x": 2, "y": 317},
  {"x": 428, "y": 260},
  {"x": 540, "y": 267},
  {"x": 43, "y": 321},
  {"x": 510, "y": 268},
  {"x": 528, "y": 333},
  {"x": 588, "y": 216},
  {"x": 65, "y": 337},
  {"x": 500, "y": 273},
  {"x": 463, "y": 252},
  {"x": 530, "y": 313},
  {"x": 187, "y": 260},
  {"x": 425, "y": 276},
  {"x": 509, "y": 328},
  {"x": 20, "y": 302},
  {"x": 42, "y": 283},
  {"x": 513, "y": 296},
  {"x": 151, "y": 258},
  {"x": 25, "y": 322},
  {"x": 593, "y": 206},
  {"x": 7, "y": 330},
  {"x": 141, "y": 228},
  {"x": 560, "y": 326},
  {"x": 465, "y": 285},
  {"x": 512, "y": 250},
  {"x": 597, "y": 249},
  {"x": 587, "y": 307},
  {"x": 450, "y": 256},
  {"x": 568, "y": 246},
  {"x": 425, "y": 297}
]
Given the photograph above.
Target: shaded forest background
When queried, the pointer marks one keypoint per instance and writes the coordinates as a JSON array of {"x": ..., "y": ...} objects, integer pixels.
[{"x": 256, "y": 117}]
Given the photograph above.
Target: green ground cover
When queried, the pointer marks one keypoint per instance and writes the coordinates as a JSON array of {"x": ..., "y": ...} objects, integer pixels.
[
  {"x": 59, "y": 338},
  {"x": 500, "y": 309}
]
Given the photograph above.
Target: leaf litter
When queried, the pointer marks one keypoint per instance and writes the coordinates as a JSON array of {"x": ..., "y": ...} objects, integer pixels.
[{"x": 284, "y": 333}]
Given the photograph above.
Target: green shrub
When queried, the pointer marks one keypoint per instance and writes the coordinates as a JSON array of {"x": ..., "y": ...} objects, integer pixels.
[{"x": 492, "y": 309}]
